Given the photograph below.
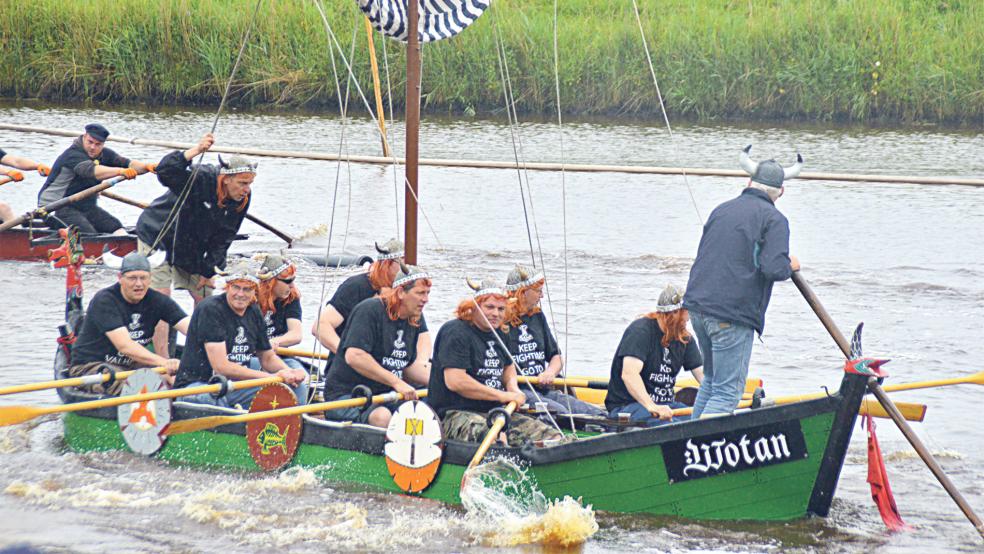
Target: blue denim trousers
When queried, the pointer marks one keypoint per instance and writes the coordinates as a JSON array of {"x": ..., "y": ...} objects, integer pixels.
[
  {"x": 639, "y": 414},
  {"x": 244, "y": 397},
  {"x": 727, "y": 349},
  {"x": 561, "y": 403}
]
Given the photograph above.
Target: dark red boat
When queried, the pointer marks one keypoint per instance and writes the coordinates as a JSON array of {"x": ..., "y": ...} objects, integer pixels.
[{"x": 25, "y": 244}]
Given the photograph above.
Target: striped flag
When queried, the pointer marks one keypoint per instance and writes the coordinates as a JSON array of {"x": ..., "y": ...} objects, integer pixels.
[{"x": 439, "y": 19}]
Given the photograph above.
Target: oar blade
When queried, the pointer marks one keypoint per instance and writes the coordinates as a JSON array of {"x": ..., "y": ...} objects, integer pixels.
[
  {"x": 197, "y": 424},
  {"x": 12, "y": 415}
]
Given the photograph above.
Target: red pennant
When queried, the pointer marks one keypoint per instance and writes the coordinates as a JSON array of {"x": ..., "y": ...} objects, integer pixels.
[{"x": 881, "y": 491}]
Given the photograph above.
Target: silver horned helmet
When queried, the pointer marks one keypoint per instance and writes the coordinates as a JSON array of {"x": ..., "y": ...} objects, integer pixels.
[
  {"x": 236, "y": 164},
  {"x": 273, "y": 265},
  {"x": 390, "y": 250},
  {"x": 522, "y": 276},
  {"x": 769, "y": 172},
  {"x": 240, "y": 270},
  {"x": 408, "y": 274},
  {"x": 670, "y": 300},
  {"x": 487, "y": 285}
]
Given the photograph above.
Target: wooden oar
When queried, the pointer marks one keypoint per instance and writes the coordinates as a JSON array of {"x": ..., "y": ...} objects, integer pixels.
[
  {"x": 138, "y": 204},
  {"x": 201, "y": 423},
  {"x": 5, "y": 179},
  {"x": 93, "y": 379},
  {"x": 58, "y": 204},
  {"x": 10, "y": 415},
  {"x": 483, "y": 448},
  {"x": 890, "y": 407}
]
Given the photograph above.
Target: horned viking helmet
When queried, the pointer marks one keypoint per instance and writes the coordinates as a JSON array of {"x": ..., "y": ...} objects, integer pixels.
[
  {"x": 273, "y": 265},
  {"x": 670, "y": 300},
  {"x": 236, "y": 164},
  {"x": 239, "y": 270},
  {"x": 408, "y": 274},
  {"x": 487, "y": 285},
  {"x": 522, "y": 276},
  {"x": 769, "y": 172},
  {"x": 390, "y": 250}
]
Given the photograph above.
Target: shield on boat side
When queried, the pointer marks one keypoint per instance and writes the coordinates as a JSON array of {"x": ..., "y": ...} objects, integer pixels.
[
  {"x": 143, "y": 423},
  {"x": 273, "y": 441},
  {"x": 414, "y": 446}
]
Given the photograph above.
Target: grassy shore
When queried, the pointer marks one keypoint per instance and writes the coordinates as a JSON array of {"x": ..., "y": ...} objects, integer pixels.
[{"x": 859, "y": 60}]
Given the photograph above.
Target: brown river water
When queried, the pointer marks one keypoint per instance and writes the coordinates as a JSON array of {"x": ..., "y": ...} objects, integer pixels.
[{"x": 905, "y": 259}]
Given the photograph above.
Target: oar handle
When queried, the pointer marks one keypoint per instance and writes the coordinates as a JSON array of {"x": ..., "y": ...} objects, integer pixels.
[
  {"x": 58, "y": 204},
  {"x": 323, "y": 406},
  {"x": 5, "y": 179},
  {"x": 298, "y": 353},
  {"x": 497, "y": 426},
  {"x": 93, "y": 379},
  {"x": 566, "y": 381}
]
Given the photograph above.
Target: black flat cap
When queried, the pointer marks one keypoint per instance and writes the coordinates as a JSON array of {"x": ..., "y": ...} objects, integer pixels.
[{"x": 97, "y": 132}]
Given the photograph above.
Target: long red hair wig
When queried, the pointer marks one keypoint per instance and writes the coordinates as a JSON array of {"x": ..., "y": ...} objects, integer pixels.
[
  {"x": 380, "y": 272},
  {"x": 392, "y": 301},
  {"x": 222, "y": 195},
  {"x": 515, "y": 308},
  {"x": 265, "y": 295},
  {"x": 673, "y": 324}
]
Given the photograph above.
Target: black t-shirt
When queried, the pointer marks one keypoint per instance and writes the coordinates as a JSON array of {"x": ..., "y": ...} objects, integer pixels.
[
  {"x": 347, "y": 296},
  {"x": 276, "y": 322},
  {"x": 532, "y": 345},
  {"x": 660, "y": 365},
  {"x": 108, "y": 310},
  {"x": 461, "y": 345},
  {"x": 2, "y": 153},
  {"x": 214, "y": 321},
  {"x": 393, "y": 344},
  {"x": 74, "y": 171}
]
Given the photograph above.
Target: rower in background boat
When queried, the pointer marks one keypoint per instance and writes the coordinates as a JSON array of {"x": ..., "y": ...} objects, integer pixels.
[
  {"x": 119, "y": 324},
  {"x": 331, "y": 325},
  {"x": 473, "y": 373},
  {"x": 385, "y": 347},
  {"x": 280, "y": 304},
  {"x": 86, "y": 163},
  {"x": 19, "y": 163},
  {"x": 533, "y": 345},
  {"x": 652, "y": 352},
  {"x": 744, "y": 249},
  {"x": 196, "y": 240},
  {"x": 226, "y": 331}
]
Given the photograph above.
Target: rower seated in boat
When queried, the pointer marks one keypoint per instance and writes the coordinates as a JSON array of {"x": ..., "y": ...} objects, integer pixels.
[
  {"x": 19, "y": 163},
  {"x": 85, "y": 164},
  {"x": 473, "y": 373},
  {"x": 226, "y": 330},
  {"x": 533, "y": 346},
  {"x": 385, "y": 346},
  {"x": 653, "y": 350},
  {"x": 119, "y": 325},
  {"x": 332, "y": 323},
  {"x": 280, "y": 304}
]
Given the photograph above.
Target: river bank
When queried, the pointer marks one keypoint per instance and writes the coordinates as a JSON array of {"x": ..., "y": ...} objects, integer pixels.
[{"x": 870, "y": 61}]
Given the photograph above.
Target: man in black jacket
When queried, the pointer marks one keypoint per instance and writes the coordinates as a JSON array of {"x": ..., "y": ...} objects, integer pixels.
[
  {"x": 85, "y": 164},
  {"x": 743, "y": 251},
  {"x": 196, "y": 232}
]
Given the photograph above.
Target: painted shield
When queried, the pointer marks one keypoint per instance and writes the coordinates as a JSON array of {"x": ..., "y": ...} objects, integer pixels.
[
  {"x": 414, "y": 445},
  {"x": 143, "y": 423},
  {"x": 273, "y": 441}
]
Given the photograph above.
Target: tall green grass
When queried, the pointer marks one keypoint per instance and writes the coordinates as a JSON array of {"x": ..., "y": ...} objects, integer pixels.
[{"x": 861, "y": 60}]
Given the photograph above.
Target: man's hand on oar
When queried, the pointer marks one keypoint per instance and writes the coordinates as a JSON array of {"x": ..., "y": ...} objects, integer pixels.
[
  {"x": 11, "y": 415},
  {"x": 94, "y": 379},
  {"x": 209, "y": 422}
]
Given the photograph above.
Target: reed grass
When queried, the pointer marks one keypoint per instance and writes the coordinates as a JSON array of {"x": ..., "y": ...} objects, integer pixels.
[{"x": 859, "y": 60}]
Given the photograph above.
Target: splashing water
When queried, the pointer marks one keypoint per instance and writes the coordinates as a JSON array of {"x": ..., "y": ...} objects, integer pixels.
[{"x": 505, "y": 508}]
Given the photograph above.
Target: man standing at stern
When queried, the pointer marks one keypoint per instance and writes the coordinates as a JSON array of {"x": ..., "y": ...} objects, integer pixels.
[{"x": 744, "y": 250}]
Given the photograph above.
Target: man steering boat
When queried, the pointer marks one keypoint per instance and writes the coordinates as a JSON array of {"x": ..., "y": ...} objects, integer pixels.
[
  {"x": 473, "y": 373},
  {"x": 225, "y": 332},
  {"x": 119, "y": 324},
  {"x": 385, "y": 346},
  {"x": 85, "y": 164}
]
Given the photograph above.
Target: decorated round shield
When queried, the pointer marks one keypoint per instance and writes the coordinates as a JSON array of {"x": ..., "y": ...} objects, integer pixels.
[
  {"x": 414, "y": 445},
  {"x": 143, "y": 423},
  {"x": 273, "y": 441}
]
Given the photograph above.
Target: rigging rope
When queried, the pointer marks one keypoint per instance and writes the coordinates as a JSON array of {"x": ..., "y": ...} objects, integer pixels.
[{"x": 172, "y": 217}]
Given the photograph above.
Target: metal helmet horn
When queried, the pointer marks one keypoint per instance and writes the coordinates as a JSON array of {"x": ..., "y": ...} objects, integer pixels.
[
  {"x": 390, "y": 250},
  {"x": 487, "y": 285},
  {"x": 522, "y": 276},
  {"x": 769, "y": 172},
  {"x": 670, "y": 300}
]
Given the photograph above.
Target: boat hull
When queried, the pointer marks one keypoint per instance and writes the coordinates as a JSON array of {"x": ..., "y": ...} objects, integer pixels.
[
  {"x": 618, "y": 472},
  {"x": 17, "y": 244}
]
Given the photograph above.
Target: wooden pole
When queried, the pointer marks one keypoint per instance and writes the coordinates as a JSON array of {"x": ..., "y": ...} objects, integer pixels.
[
  {"x": 58, "y": 204},
  {"x": 380, "y": 113},
  {"x": 889, "y": 406},
  {"x": 532, "y": 166},
  {"x": 413, "y": 131}
]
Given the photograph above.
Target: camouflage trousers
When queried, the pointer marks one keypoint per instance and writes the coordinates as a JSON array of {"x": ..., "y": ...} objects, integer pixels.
[
  {"x": 471, "y": 427},
  {"x": 93, "y": 368}
]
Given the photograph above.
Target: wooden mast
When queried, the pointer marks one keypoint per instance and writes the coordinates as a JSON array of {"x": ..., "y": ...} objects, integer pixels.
[{"x": 413, "y": 130}]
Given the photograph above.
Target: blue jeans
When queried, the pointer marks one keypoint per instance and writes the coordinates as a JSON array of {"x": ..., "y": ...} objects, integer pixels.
[
  {"x": 727, "y": 349},
  {"x": 244, "y": 397},
  {"x": 558, "y": 402},
  {"x": 639, "y": 414}
]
